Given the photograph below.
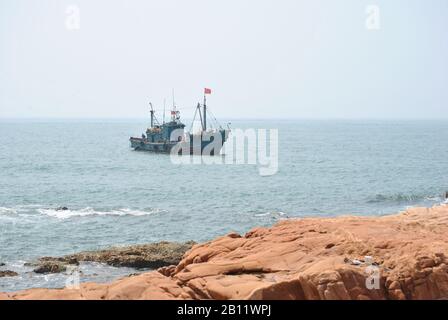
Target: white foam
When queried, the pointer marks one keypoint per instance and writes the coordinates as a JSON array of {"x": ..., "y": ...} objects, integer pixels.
[
  {"x": 434, "y": 198},
  {"x": 20, "y": 209},
  {"x": 66, "y": 214},
  {"x": 275, "y": 214},
  {"x": 4, "y": 210}
]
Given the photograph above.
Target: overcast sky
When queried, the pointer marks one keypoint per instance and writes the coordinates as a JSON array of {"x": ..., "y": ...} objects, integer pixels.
[{"x": 286, "y": 58}]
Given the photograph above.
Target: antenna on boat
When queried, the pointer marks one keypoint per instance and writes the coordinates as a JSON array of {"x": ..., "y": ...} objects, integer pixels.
[{"x": 173, "y": 112}]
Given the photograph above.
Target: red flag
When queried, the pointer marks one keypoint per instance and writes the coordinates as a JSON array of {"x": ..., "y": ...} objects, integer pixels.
[{"x": 207, "y": 91}]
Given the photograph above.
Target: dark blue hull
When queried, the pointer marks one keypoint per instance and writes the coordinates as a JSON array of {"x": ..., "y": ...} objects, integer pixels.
[{"x": 142, "y": 144}]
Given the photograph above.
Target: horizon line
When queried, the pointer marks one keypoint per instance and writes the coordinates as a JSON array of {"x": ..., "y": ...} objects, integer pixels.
[{"x": 227, "y": 118}]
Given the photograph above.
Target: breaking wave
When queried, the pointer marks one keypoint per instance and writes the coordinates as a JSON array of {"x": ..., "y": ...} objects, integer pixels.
[
  {"x": 70, "y": 213},
  {"x": 276, "y": 214},
  {"x": 4, "y": 210},
  {"x": 406, "y": 198},
  {"x": 66, "y": 214}
]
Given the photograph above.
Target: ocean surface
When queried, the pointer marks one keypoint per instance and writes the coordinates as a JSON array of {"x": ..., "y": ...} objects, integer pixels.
[{"x": 117, "y": 196}]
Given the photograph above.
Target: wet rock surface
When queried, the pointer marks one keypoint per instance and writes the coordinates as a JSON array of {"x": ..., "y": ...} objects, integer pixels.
[
  {"x": 151, "y": 256},
  {"x": 50, "y": 267},
  {"x": 8, "y": 273},
  {"x": 401, "y": 256}
]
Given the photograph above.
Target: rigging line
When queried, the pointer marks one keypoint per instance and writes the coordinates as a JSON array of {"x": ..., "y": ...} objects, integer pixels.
[
  {"x": 200, "y": 116},
  {"x": 194, "y": 118},
  {"x": 213, "y": 116}
]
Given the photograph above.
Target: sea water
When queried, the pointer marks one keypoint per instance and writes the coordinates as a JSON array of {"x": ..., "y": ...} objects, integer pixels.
[{"x": 117, "y": 196}]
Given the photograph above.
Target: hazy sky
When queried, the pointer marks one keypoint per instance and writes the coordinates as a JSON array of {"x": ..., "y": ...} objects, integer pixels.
[{"x": 286, "y": 58}]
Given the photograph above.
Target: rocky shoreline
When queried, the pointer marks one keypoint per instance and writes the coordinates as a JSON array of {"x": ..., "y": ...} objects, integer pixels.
[
  {"x": 402, "y": 256},
  {"x": 8, "y": 273},
  {"x": 145, "y": 256}
]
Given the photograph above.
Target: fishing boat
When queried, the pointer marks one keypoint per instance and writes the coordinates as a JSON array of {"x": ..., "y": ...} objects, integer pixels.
[{"x": 163, "y": 137}]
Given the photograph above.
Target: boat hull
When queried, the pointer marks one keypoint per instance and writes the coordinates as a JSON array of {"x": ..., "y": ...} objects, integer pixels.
[{"x": 142, "y": 144}]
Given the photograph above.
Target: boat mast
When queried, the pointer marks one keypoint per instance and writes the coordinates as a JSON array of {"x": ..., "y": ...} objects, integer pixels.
[
  {"x": 164, "y": 104},
  {"x": 205, "y": 113},
  {"x": 152, "y": 115},
  {"x": 206, "y": 92}
]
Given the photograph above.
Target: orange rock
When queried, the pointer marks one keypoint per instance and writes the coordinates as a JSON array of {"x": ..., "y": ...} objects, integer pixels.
[{"x": 311, "y": 258}]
